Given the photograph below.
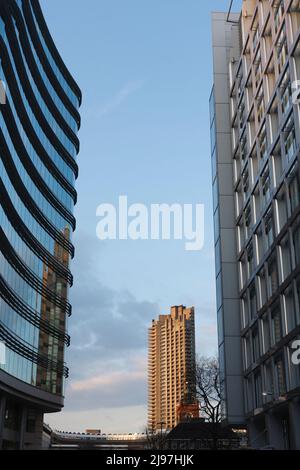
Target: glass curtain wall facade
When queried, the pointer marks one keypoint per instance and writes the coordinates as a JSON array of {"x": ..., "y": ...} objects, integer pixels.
[
  {"x": 39, "y": 121},
  {"x": 256, "y": 106}
]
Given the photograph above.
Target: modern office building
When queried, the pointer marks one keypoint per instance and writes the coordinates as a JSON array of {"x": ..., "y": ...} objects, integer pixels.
[
  {"x": 171, "y": 378},
  {"x": 255, "y": 135},
  {"x": 38, "y": 146}
]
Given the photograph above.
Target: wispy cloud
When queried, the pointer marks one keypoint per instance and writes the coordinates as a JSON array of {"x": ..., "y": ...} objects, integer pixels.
[
  {"x": 120, "y": 97},
  {"x": 115, "y": 379},
  {"x": 88, "y": 344}
]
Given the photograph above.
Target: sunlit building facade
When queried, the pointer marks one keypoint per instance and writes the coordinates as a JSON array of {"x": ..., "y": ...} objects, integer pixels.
[
  {"x": 255, "y": 133},
  {"x": 171, "y": 369},
  {"x": 39, "y": 122}
]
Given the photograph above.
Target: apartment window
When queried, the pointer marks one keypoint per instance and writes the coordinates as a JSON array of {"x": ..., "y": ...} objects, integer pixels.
[
  {"x": 290, "y": 310},
  {"x": 269, "y": 381},
  {"x": 244, "y": 146},
  {"x": 282, "y": 50},
  {"x": 281, "y": 206},
  {"x": 237, "y": 166},
  {"x": 241, "y": 113},
  {"x": 249, "y": 394},
  {"x": 280, "y": 376},
  {"x": 290, "y": 140},
  {"x": 243, "y": 271},
  {"x": 250, "y": 259},
  {"x": 252, "y": 301},
  {"x": 296, "y": 239},
  {"x": 240, "y": 83},
  {"x": 257, "y": 68},
  {"x": 259, "y": 244},
  {"x": 255, "y": 346},
  {"x": 276, "y": 324},
  {"x": 269, "y": 228},
  {"x": 248, "y": 220},
  {"x": 247, "y": 352},
  {"x": 285, "y": 254},
  {"x": 266, "y": 333},
  {"x": 255, "y": 36},
  {"x": 273, "y": 275},
  {"x": 243, "y": 231},
  {"x": 245, "y": 311},
  {"x": 258, "y": 390},
  {"x": 278, "y": 163},
  {"x": 278, "y": 14},
  {"x": 251, "y": 123},
  {"x": 239, "y": 199},
  {"x": 246, "y": 183},
  {"x": 294, "y": 188},
  {"x": 262, "y": 142},
  {"x": 260, "y": 105},
  {"x": 294, "y": 16},
  {"x": 270, "y": 72},
  {"x": 266, "y": 185},
  {"x": 263, "y": 287},
  {"x": 285, "y": 93},
  {"x": 257, "y": 205},
  {"x": 240, "y": 235},
  {"x": 254, "y": 164},
  {"x": 267, "y": 33},
  {"x": 273, "y": 120},
  {"x": 235, "y": 134}
]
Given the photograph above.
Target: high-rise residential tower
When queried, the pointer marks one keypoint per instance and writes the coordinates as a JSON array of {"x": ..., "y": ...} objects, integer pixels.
[
  {"x": 171, "y": 378},
  {"x": 255, "y": 135},
  {"x": 39, "y": 122}
]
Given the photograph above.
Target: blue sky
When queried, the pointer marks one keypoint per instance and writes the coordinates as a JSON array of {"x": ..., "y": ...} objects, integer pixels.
[{"x": 144, "y": 68}]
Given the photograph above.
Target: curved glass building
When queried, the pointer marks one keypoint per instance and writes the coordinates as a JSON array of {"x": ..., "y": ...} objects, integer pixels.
[{"x": 39, "y": 121}]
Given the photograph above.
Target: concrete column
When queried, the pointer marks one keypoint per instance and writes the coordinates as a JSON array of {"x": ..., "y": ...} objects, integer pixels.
[
  {"x": 275, "y": 431},
  {"x": 38, "y": 437},
  {"x": 2, "y": 417},
  {"x": 294, "y": 413},
  {"x": 34, "y": 440},
  {"x": 22, "y": 427}
]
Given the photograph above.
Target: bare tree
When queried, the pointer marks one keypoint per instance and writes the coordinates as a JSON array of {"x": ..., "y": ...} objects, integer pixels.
[
  {"x": 208, "y": 388},
  {"x": 155, "y": 440}
]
